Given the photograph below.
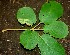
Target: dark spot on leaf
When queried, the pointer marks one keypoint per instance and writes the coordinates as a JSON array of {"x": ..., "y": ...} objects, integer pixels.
[{"x": 43, "y": 15}]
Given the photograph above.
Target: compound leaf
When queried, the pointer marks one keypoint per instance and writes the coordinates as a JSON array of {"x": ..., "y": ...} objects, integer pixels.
[
  {"x": 29, "y": 39},
  {"x": 26, "y": 15},
  {"x": 50, "y": 12},
  {"x": 57, "y": 29},
  {"x": 49, "y": 46}
]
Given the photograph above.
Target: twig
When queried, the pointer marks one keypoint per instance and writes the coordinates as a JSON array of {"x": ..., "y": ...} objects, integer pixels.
[{"x": 21, "y": 29}]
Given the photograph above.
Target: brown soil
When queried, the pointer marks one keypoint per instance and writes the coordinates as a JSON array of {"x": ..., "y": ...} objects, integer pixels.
[{"x": 9, "y": 40}]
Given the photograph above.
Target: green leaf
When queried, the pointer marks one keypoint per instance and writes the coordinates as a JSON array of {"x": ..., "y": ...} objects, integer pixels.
[
  {"x": 26, "y": 15},
  {"x": 57, "y": 29},
  {"x": 29, "y": 39},
  {"x": 50, "y": 12},
  {"x": 49, "y": 46}
]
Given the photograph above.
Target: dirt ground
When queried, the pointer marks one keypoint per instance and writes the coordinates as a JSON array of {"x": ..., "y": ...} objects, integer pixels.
[{"x": 9, "y": 40}]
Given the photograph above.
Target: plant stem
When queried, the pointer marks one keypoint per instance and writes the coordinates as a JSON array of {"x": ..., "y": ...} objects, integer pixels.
[
  {"x": 21, "y": 29},
  {"x": 36, "y": 25}
]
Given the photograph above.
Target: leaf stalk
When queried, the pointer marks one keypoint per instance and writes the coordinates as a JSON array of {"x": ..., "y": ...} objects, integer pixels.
[{"x": 21, "y": 29}]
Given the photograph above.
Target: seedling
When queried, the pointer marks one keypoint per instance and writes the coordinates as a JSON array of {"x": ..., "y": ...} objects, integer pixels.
[{"x": 53, "y": 27}]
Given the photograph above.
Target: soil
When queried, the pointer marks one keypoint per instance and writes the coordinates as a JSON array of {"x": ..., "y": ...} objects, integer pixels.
[{"x": 9, "y": 40}]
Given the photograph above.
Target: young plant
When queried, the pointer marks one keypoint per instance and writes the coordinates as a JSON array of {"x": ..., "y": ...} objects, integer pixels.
[{"x": 49, "y": 14}]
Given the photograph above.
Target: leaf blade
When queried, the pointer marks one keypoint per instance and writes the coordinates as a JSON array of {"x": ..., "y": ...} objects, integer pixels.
[
  {"x": 50, "y": 12},
  {"x": 49, "y": 45},
  {"x": 57, "y": 29},
  {"x": 26, "y": 15},
  {"x": 29, "y": 39}
]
